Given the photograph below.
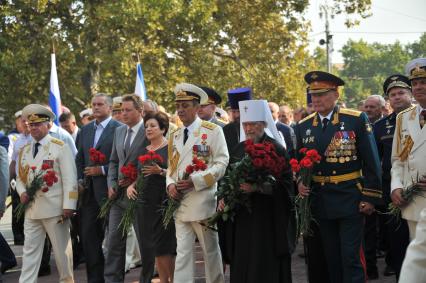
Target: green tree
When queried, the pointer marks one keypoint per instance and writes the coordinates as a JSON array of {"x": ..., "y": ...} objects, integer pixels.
[
  {"x": 366, "y": 66},
  {"x": 223, "y": 44}
]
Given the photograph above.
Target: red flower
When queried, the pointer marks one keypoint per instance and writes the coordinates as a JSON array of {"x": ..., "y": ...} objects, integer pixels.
[
  {"x": 101, "y": 158},
  {"x": 204, "y": 136},
  {"x": 306, "y": 163},
  {"x": 189, "y": 169},
  {"x": 33, "y": 168},
  {"x": 45, "y": 166},
  {"x": 294, "y": 162},
  {"x": 195, "y": 148},
  {"x": 257, "y": 162},
  {"x": 129, "y": 171},
  {"x": 45, "y": 189},
  {"x": 303, "y": 150}
]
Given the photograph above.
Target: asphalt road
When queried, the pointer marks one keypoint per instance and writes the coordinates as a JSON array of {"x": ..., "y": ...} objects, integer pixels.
[{"x": 298, "y": 266}]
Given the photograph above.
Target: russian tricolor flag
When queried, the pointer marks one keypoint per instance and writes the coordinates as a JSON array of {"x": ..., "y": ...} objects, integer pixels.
[
  {"x": 140, "y": 84},
  {"x": 54, "y": 94}
]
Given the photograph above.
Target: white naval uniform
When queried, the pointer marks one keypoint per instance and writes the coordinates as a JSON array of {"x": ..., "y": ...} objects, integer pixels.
[
  {"x": 44, "y": 213},
  {"x": 408, "y": 168},
  {"x": 200, "y": 203}
]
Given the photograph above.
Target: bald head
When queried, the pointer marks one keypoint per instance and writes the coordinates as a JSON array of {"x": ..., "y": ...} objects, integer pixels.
[
  {"x": 374, "y": 106},
  {"x": 285, "y": 114},
  {"x": 274, "y": 110}
]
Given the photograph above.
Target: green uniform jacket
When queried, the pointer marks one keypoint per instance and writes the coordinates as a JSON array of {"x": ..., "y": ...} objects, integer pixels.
[{"x": 346, "y": 145}]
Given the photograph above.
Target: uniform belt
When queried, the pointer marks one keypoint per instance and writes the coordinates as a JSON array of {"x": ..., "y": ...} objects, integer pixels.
[{"x": 337, "y": 178}]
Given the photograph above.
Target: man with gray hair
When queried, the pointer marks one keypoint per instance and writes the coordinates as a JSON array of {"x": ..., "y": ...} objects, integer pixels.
[
  {"x": 149, "y": 107},
  {"x": 92, "y": 181},
  {"x": 374, "y": 106}
]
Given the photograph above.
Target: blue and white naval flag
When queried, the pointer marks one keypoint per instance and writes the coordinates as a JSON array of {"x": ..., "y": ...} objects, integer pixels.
[
  {"x": 140, "y": 84},
  {"x": 54, "y": 94}
]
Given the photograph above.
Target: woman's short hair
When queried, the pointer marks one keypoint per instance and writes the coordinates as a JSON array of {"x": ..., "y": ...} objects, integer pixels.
[{"x": 161, "y": 118}]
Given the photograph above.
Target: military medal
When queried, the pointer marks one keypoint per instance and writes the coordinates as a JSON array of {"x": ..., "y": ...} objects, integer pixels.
[
  {"x": 308, "y": 132},
  {"x": 342, "y": 126}
]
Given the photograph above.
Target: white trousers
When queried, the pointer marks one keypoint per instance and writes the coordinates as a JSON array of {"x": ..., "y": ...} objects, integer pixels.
[
  {"x": 209, "y": 242},
  {"x": 133, "y": 255},
  {"x": 35, "y": 234},
  {"x": 414, "y": 267},
  {"x": 412, "y": 228}
]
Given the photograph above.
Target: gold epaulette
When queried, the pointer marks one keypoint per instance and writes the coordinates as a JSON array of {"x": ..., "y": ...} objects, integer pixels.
[
  {"x": 173, "y": 156},
  {"x": 350, "y": 112},
  {"x": 307, "y": 118},
  {"x": 208, "y": 125},
  {"x": 56, "y": 141},
  {"x": 23, "y": 170},
  {"x": 408, "y": 142},
  {"x": 223, "y": 121}
]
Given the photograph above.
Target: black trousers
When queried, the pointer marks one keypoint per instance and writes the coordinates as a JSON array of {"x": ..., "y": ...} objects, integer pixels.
[
  {"x": 7, "y": 257},
  {"x": 342, "y": 240},
  {"x": 77, "y": 246},
  {"x": 315, "y": 257},
  {"x": 370, "y": 241},
  {"x": 17, "y": 224},
  {"x": 92, "y": 235}
]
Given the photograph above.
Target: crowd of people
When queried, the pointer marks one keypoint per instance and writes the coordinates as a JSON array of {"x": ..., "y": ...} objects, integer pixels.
[{"x": 64, "y": 176}]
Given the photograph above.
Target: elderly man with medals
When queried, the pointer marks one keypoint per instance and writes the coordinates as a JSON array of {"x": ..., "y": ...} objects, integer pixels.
[
  {"x": 53, "y": 204},
  {"x": 205, "y": 141},
  {"x": 347, "y": 181},
  {"x": 260, "y": 246}
]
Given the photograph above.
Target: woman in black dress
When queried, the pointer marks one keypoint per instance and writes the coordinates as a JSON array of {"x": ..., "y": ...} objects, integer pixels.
[{"x": 153, "y": 239}]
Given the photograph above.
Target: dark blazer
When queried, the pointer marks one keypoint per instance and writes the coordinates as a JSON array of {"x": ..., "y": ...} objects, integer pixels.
[
  {"x": 118, "y": 157},
  {"x": 232, "y": 135},
  {"x": 84, "y": 142},
  {"x": 289, "y": 137}
]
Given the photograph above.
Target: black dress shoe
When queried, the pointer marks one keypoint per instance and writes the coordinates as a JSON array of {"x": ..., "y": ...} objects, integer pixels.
[
  {"x": 372, "y": 274},
  {"x": 44, "y": 271},
  {"x": 6, "y": 267},
  {"x": 389, "y": 271}
]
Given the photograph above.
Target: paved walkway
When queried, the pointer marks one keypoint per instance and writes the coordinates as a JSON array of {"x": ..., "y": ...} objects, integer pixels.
[{"x": 12, "y": 276}]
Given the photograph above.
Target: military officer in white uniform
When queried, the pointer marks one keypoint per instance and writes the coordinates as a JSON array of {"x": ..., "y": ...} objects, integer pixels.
[
  {"x": 204, "y": 140},
  {"x": 409, "y": 147},
  {"x": 50, "y": 210}
]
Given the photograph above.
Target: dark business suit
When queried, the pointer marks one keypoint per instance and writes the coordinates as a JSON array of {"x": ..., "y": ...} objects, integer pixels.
[
  {"x": 289, "y": 137},
  {"x": 232, "y": 135},
  {"x": 91, "y": 227},
  {"x": 116, "y": 249}
]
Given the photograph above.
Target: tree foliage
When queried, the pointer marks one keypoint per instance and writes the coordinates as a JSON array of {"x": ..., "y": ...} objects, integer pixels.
[
  {"x": 222, "y": 44},
  {"x": 366, "y": 66}
]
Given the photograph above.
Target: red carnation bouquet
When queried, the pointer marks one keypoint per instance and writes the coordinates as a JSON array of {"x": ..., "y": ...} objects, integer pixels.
[
  {"x": 173, "y": 204},
  {"x": 261, "y": 164},
  {"x": 128, "y": 171},
  {"x": 304, "y": 168},
  {"x": 149, "y": 159},
  {"x": 96, "y": 158},
  {"x": 42, "y": 180}
]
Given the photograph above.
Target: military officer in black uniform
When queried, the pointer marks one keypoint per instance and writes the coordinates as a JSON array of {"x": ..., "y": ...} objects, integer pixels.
[
  {"x": 346, "y": 183},
  {"x": 207, "y": 111},
  {"x": 398, "y": 90}
]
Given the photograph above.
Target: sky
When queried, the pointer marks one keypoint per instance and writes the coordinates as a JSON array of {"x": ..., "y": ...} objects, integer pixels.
[{"x": 391, "y": 20}]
